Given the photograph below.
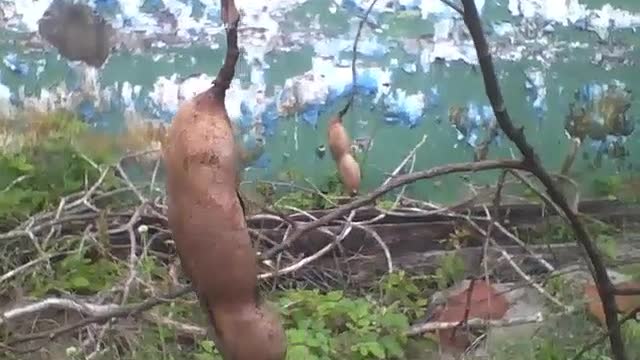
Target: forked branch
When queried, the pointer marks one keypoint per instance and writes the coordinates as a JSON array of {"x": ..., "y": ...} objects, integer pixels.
[{"x": 533, "y": 164}]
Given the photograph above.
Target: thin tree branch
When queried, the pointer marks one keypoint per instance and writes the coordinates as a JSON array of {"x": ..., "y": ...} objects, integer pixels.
[
  {"x": 354, "y": 58},
  {"x": 532, "y": 162}
]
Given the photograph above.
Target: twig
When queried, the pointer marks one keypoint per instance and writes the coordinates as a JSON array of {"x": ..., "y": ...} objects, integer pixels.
[
  {"x": 516, "y": 135},
  {"x": 354, "y": 58},
  {"x": 517, "y": 240},
  {"x": 380, "y": 242},
  {"x": 133, "y": 188},
  {"x": 473, "y": 323},
  {"x": 10, "y": 274},
  {"x": 98, "y": 313},
  {"x": 15, "y": 182},
  {"x": 518, "y": 270},
  {"x": 545, "y": 198},
  {"x": 404, "y": 187},
  {"x": 467, "y": 308},
  {"x": 133, "y": 263},
  {"x": 406, "y": 159}
]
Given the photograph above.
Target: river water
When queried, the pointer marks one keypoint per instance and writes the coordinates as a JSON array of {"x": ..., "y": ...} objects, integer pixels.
[{"x": 416, "y": 65}]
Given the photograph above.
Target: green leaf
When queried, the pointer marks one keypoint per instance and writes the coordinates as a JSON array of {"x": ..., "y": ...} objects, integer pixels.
[
  {"x": 376, "y": 350},
  {"x": 393, "y": 346},
  {"x": 299, "y": 352},
  {"x": 394, "y": 320},
  {"x": 207, "y": 346},
  {"x": 79, "y": 282}
]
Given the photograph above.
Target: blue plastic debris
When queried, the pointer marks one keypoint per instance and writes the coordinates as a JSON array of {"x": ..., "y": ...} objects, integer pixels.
[
  {"x": 367, "y": 81},
  {"x": 87, "y": 111},
  {"x": 152, "y": 6},
  {"x": 263, "y": 162},
  {"x": 246, "y": 119},
  {"x": 434, "y": 97},
  {"x": 402, "y": 108},
  {"x": 270, "y": 119},
  {"x": 14, "y": 64},
  {"x": 311, "y": 113},
  {"x": 107, "y": 6}
]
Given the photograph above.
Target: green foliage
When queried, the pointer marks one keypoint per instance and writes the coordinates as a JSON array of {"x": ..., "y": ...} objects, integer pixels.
[
  {"x": 451, "y": 270},
  {"x": 632, "y": 270},
  {"x": 306, "y": 200},
  {"x": 206, "y": 351},
  {"x": 609, "y": 186},
  {"x": 47, "y": 166},
  {"x": 334, "y": 326},
  {"x": 607, "y": 246},
  {"x": 76, "y": 273},
  {"x": 399, "y": 290},
  {"x": 385, "y": 204}
]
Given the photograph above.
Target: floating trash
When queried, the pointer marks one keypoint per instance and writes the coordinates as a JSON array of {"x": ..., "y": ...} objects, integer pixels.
[
  {"x": 477, "y": 127},
  {"x": 13, "y": 63},
  {"x": 321, "y": 151},
  {"x": 599, "y": 113},
  {"x": 536, "y": 91},
  {"x": 600, "y": 110}
]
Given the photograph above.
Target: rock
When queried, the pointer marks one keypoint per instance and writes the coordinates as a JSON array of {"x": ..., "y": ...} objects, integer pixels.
[
  {"x": 524, "y": 302},
  {"x": 579, "y": 275},
  {"x": 485, "y": 302}
]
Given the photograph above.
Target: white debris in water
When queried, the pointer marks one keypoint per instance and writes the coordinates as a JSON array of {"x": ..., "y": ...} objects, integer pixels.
[
  {"x": 537, "y": 91},
  {"x": 6, "y": 108},
  {"x": 572, "y": 12},
  {"x": 24, "y": 14},
  {"x": 165, "y": 93},
  {"x": 440, "y": 9},
  {"x": 448, "y": 44},
  {"x": 503, "y": 28}
]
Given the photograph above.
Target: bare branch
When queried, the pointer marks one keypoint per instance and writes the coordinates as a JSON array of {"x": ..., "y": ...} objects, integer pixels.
[
  {"x": 354, "y": 58},
  {"x": 516, "y": 135},
  {"x": 419, "y": 329}
]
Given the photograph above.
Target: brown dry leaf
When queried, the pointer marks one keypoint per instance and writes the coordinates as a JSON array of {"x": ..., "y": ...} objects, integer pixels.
[
  {"x": 485, "y": 303},
  {"x": 625, "y": 303}
]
